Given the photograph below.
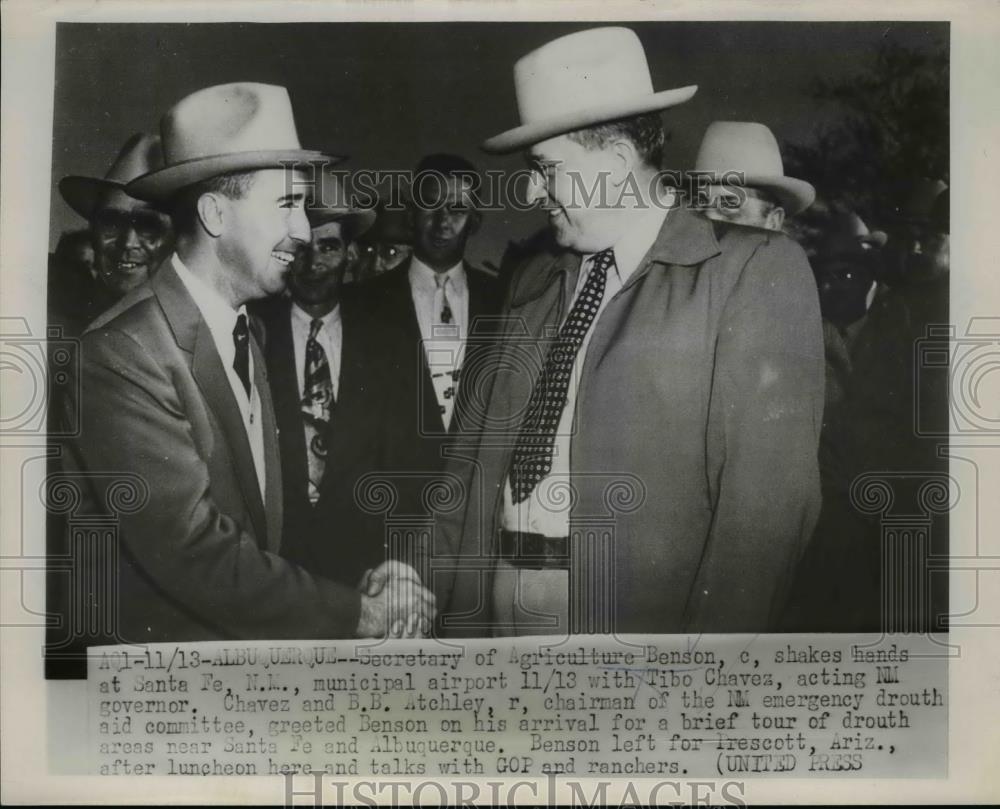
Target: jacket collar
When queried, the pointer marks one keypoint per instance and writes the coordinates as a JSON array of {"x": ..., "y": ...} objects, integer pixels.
[
  {"x": 685, "y": 239},
  {"x": 178, "y": 306}
]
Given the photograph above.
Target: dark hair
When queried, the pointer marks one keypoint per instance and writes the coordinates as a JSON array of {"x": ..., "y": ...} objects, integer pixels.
[
  {"x": 645, "y": 132},
  {"x": 442, "y": 164},
  {"x": 183, "y": 206}
]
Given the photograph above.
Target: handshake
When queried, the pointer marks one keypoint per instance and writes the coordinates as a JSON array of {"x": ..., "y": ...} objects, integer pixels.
[{"x": 394, "y": 603}]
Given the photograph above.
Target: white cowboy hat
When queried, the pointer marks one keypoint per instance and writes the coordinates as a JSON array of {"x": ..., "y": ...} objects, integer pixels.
[
  {"x": 329, "y": 203},
  {"x": 750, "y": 148},
  {"x": 140, "y": 154},
  {"x": 581, "y": 80},
  {"x": 221, "y": 129}
]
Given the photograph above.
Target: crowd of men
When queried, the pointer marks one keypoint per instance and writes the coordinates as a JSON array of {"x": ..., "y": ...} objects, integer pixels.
[{"x": 648, "y": 421}]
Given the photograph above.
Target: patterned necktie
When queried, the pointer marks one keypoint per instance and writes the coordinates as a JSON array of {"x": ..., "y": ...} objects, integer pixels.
[
  {"x": 241, "y": 362},
  {"x": 443, "y": 350},
  {"x": 317, "y": 405},
  {"x": 532, "y": 458}
]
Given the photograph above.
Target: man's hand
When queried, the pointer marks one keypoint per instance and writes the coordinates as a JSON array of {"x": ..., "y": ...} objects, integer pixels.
[{"x": 394, "y": 603}]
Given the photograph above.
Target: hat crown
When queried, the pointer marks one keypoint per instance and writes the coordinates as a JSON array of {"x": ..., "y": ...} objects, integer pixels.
[
  {"x": 141, "y": 153},
  {"x": 743, "y": 146},
  {"x": 580, "y": 70},
  {"x": 228, "y": 119}
]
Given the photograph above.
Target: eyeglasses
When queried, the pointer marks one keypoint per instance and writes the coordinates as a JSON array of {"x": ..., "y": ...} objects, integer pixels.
[{"x": 149, "y": 226}]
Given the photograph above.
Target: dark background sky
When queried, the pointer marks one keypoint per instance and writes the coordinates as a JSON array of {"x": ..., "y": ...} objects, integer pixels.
[{"x": 387, "y": 93}]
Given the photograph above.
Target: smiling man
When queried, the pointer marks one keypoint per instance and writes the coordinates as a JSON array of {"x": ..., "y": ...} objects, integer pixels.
[
  {"x": 174, "y": 400},
  {"x": 648, "y": 458},
  {"x": 130, "y": 237}
]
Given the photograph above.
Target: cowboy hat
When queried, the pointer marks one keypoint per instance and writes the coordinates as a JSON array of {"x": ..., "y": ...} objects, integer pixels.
[
  {"x": 581, "y": 80},
  {"x": 140, "y": 155},
  {"x": 222, "y": 129},
  {"x": 751, "y": 149},
  {"x": 329, "y": 203}
]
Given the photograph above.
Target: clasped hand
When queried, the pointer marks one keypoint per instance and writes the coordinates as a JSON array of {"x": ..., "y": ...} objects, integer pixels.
[{"x": 394, "y": 603}]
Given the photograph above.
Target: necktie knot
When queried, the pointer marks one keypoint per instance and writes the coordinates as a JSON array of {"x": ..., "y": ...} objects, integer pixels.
[
  {"x": 444, "y": 312},
  {"x": 314, "y": 328},
  {"x": 601, "y": 262}
]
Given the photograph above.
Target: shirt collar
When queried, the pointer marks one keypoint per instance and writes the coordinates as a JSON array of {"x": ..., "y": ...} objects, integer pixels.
[
  {"x": 424, "y": 277},
  {"x": 329, "y": 319},
  {"x": 218, "y": 314}
]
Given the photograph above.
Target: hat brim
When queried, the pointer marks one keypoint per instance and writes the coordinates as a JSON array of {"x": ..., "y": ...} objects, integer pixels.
[
  {"x": 793, "y": 195},
  {"x": 354, "y": 222},
  {"x": 160, "y": 185},
  {"x": 82, "y": 193},
  {"x": 537, "y": 131}
]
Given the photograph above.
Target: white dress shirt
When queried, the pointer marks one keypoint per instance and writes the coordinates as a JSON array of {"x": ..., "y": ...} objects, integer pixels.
[
  {"x": 444, "y": 343},
  {"x": 221, "y": 319},
  {"x": 546, "y": 510}
]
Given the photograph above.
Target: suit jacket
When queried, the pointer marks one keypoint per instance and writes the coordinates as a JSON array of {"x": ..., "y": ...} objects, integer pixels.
[
  {"x": 694, "y": 448},
  {"x": 162, "y": 444},
  {"x": 402, "y": 366},
  {"x": 334, "y": 538}
]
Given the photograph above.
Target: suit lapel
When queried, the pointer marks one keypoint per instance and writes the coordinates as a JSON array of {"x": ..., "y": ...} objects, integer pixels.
[
  {"x": 414, "y": 351},
  {"x": 193, "y": 335}
]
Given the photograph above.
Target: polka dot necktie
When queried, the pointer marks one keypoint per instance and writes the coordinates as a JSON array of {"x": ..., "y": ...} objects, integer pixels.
[
  {"x": 532, "y": 459},
  {"x": 317, "y": 404}
]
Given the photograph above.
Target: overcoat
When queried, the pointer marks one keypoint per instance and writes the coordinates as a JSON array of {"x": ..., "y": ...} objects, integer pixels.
[{"x": 694, "y": 477}]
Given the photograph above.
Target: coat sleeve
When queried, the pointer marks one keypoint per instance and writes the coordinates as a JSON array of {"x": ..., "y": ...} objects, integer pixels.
[
  {"x": 765, "y": 414},
  {"x": 201, "y": 559}
]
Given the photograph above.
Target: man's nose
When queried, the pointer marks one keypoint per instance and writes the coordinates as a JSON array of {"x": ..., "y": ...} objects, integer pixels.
[
  {"x": 298, "y": 226},
  {"x": 128, "y": 238},
  {"x": 537, "y": 191}
]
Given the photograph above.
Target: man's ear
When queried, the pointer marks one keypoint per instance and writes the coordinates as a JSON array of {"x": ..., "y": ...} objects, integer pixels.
[
  {"x": 210, "y": 214},
  {"x": 624, "y": 160},
  {"x": 775, "y": 219}
]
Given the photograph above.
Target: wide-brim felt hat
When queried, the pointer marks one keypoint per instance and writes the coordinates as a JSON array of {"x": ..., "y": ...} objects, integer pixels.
[
  {"x": 582, "y": 80},
  {"x": 329, "y": 203},
  {"x": 140, "y": 155},
  {"x": 751, "y": 149},
  {"x": 227, "y": 128}
]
